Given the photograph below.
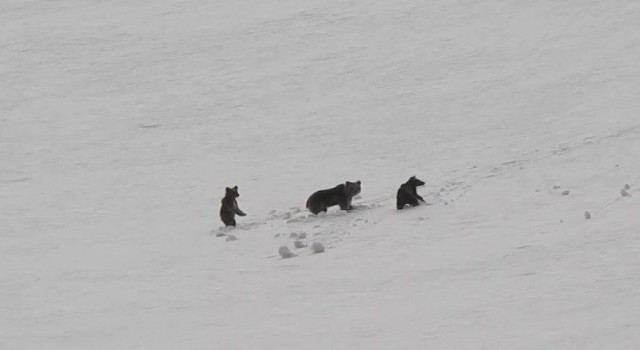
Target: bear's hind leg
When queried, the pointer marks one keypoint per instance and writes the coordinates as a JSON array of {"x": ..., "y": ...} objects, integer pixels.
[
  {"x": 315, "y": 210},
  {"x": 228, "y": 221}
]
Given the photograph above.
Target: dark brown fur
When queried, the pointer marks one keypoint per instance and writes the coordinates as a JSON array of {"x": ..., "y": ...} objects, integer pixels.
[
  {"x": 340, "y": 195},
  {"x": 229, "y": 207},
  {"x": 407, "y": 193}
]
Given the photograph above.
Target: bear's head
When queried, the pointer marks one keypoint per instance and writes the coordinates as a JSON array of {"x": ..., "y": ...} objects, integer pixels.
[
  {"x": 352, "y": 188},
  {"x": 232, "y": 192},
  {"x": 415, "y": 182}
]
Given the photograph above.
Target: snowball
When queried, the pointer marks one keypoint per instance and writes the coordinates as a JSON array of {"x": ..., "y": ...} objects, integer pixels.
[
  {"x": 302, "y": 235},
  {"x": 624, "y": 193},
  {"x": 299, "y": 244},
  {"x": 285, "y": 252},
  {"x": 232, "y": 238},
  {"x": 627, "y": 187},
  {"x": 317, "y": 247},
  {"x": 565, "y": 193},
  {"x": 587, "y": 215},
  {"x": 293, "y": 235}
]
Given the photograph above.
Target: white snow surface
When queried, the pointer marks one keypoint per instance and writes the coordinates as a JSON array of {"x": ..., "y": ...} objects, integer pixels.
[{"x": 121, "y": 123}]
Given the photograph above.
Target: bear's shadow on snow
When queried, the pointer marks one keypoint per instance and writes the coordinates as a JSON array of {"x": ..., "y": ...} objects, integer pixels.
[
  {"x": 222, "y": 231},
  {"x": 338, "y": 213},
  {"x": 410, "y": 208}
]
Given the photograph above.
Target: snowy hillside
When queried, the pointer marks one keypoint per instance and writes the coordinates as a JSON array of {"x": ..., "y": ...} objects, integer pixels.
[{"x": 122, "y": 122}]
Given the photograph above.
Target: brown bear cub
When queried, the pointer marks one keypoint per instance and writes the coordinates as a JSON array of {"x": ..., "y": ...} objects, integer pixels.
[
  {"x": 229, "y": 207},
  {"x": 340, "y": 195},
  {"x": 407, "y": 193}
]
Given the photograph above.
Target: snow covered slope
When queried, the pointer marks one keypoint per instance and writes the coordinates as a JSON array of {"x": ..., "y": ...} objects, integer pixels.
[{"x": 121, "y": 123}]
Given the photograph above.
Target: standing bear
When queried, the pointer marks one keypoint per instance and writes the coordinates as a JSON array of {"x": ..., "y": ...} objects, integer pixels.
[
  {"x": 407, "y": 193},
  {"x": 340, "y": 195},
  {"x": 229, "y": 207}
]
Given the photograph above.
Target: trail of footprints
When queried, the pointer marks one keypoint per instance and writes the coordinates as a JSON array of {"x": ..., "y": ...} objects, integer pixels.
[
  {"x": 310, "y": 234},
  {"x": 326, "y": 230}
]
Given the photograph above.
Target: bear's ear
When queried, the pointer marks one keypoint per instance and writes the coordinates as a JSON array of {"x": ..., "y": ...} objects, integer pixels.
[
  {"x": 413, "y": 177},
  {"x": 235, "y": 188},
  {"x": 358, "y": 182},
  {"x": 227, "y": 189}
]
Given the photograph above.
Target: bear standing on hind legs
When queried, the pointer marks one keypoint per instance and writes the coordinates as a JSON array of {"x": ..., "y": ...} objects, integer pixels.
[
  {"x": 340, "y": 195},
  {"x": 407, "y": 193},
  {"x": 229, "y": 207}
]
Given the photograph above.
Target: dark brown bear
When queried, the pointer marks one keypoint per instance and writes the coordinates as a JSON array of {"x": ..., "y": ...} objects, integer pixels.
[
  {"x": 407, "y": 193},
  {"x": 229, "y": 207},
  {"x": 340, "y": 195}
]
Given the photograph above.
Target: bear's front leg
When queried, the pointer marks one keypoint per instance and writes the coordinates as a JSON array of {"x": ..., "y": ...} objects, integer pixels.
[{"x": 345, "y": 205}]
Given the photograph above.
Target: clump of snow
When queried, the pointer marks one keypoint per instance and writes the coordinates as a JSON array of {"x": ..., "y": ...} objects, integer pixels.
[
  {"x": 624, "y": 193},
  {"x": 317, "y": 247},
  {"x": 285, "y": 252},
  {"x": 627, "y": 187},
  {"x": 293, "y": 235},
  {"x": 566, "y": 192},
  {"x": 231, "y": 238},
  {"x": 299, "y": 244},
  {"x": 587, "y": 215},
  {"x": 302, "y": 235}
]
